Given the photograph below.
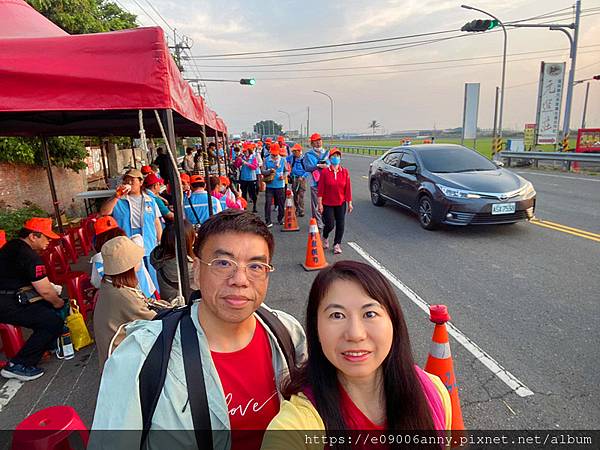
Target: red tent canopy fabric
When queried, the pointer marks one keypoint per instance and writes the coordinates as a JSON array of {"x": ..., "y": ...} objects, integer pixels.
[
  {"x": 19, "y": 20},
  {"x": 91, "y": 84}
]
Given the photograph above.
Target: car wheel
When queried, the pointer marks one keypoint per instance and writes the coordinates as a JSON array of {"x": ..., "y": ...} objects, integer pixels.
[
  {"x": 426, "y": 214},
  {"x": 376, "y": 197}
]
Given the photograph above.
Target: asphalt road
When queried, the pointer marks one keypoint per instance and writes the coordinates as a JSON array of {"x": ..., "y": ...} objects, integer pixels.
[{"x": 526, "y": 295}]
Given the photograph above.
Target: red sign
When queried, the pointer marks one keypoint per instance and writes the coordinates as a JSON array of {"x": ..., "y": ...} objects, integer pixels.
[{"x": 588, "y": 140}]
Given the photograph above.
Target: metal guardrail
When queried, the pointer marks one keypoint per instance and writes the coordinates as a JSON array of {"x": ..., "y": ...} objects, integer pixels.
[
  {"x": 552, "y": 156},
  {"x": 360, "y": 149}
]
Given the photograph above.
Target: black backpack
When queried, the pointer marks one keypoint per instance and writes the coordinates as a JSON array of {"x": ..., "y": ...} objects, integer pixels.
[{"x": 154, "y": 371}]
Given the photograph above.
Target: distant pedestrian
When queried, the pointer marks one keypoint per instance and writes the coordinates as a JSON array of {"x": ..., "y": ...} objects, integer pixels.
[
  {"x": 248, "y": 163},
  {"x": 196, "y": 205},
  {"x": 335, "y": 198},
  {"x": 315, "y": 160},
  {"x": 275, "y": 171},
  {"x": 188, "y": 160},
  {"x": 163, "y": 161},
  {"x": 298, "y": 177}
]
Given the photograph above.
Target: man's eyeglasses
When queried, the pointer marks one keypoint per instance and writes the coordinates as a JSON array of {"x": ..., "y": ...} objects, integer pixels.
[{"x": 226, "y": 268}]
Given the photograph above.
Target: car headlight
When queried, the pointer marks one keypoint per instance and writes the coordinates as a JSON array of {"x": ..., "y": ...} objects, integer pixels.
[
  {"x": 456, "y": 193},
  {"x": 527, "y": 189}
]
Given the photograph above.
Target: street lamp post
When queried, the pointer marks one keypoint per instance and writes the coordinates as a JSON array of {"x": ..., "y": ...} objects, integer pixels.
[
  {"x": 331, "y": 100},
  {"x": 503, "y": 64},
  {"x": 289, "y": 119}
]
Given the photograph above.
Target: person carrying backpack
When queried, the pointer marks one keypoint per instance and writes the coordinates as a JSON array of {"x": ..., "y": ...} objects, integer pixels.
[{"x": 226, "y": 353}]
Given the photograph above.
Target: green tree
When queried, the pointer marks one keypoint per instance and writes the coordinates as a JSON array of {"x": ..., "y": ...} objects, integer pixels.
[
  {"x": 265, "y": 127},
  {"x": 75, "y": 17}
]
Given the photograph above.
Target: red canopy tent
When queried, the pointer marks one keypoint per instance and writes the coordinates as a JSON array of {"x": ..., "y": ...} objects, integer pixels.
[{"x": 56, "y": 84}]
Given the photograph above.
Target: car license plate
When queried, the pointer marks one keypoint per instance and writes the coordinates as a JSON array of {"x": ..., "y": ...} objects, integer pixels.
[{"x": 503, "y": 208}]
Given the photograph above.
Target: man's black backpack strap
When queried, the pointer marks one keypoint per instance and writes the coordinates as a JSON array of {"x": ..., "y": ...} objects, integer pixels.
[
  {"x": 194, "y": 380},
  {"x": 193, "y": 210},
  {"x": 281, "y": 334},
  {"x": 154, "y": 371}
]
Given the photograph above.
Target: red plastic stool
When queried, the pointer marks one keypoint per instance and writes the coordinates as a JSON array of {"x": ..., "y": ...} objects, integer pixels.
[
  {"x": 49, "y": 429},
  {"x": 2, "y": 238},
  {"x": 81, "y": 289},
  {"x": 66, "y": 241},
  {"x": 12, "y": 340}
]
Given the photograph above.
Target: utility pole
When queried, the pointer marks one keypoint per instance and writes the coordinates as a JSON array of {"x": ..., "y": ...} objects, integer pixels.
[
  {"x": 178, "y": 48},
  {"x": 307, "y": 121},
  {"x": 496, "y": 112},
  {"x": 587, "y": 93}
]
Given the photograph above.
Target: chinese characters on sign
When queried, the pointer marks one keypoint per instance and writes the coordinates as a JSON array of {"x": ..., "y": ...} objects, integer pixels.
[
  {"x": 549, "y": 102},
  {"x": 528, "y": 135}
]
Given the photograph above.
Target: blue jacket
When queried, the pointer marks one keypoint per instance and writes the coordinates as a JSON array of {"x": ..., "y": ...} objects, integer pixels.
[
  {"x": 246, "y": 173},
  {"x": 311, "y": 159},
  {"x": 122, "y": 214},
  {"x": 296, "y": 166},
  {"x": 199, "y": 202},
  {"x": 279, "y": 172}
]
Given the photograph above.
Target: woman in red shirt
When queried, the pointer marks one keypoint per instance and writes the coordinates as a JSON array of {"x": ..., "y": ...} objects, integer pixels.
[{"x": 334, "y": 193}]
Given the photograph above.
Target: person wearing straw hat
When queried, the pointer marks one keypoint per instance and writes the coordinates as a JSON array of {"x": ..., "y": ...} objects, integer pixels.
[
  {"x": 119, "y": 299},
  {"x": 22, "y": 267}
]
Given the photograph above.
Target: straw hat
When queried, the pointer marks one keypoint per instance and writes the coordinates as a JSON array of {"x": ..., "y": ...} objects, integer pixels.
[{"x": 120, "y": 254}]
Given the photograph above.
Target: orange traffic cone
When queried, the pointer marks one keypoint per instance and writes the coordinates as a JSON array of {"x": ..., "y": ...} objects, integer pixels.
[
  {"x": 290, "y": 222},
  {"x": 315, "y": 257},
  {"x": 439, "y": 361}
]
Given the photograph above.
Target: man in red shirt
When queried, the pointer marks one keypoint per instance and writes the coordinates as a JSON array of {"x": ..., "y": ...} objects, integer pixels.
[
  {"x": 334, "y": 198},
  {"x": 243, "y": 361}
]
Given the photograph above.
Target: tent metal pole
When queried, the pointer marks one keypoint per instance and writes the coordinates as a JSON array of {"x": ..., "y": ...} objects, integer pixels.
[
  {"x": 52, "y": 186},
  {"x": 225, "y": 154},
  {"x": 206, "y": 166},
  {"x": 133, "y": 153},
  {"x": 167, "y": 119}
]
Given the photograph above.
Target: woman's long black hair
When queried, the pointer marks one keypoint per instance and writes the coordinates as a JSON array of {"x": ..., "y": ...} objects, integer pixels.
[{"x": 406, "y": 405}]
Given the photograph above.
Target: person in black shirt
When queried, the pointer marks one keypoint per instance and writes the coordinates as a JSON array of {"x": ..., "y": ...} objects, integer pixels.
[
  {"x": 164, "y": 165},
  {"x": 21, "y": 266}
]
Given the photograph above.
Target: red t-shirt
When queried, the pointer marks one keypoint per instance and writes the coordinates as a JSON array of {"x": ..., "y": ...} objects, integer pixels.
[
  {"x": 335, "y": 187},
  {"x": 248, "y": 381},
  {"x": 355, "y": 419}
]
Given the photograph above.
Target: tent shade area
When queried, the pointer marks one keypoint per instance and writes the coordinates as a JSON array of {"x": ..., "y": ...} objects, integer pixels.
[{"x": 56, "y": 84}]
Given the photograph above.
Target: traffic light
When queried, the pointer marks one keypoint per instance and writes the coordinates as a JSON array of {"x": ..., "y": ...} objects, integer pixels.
[
  {"x": 480, "y": 25},
  {"x": 248, "y": 81}
]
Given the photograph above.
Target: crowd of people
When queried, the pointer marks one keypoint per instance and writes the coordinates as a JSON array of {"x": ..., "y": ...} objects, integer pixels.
[{"x": 223, "y": 360}]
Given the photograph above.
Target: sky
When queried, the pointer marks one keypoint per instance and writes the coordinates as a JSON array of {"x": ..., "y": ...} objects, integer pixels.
[{"x": 416, "y": 92}]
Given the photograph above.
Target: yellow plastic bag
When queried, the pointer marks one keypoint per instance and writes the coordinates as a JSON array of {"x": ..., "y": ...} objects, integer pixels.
[{"x": 79, "y": 332}]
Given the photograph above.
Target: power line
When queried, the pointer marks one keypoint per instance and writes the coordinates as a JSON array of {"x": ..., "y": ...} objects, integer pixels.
[
  {"x": 401, "y": 64},
  {"x": 402, "y": 71}
]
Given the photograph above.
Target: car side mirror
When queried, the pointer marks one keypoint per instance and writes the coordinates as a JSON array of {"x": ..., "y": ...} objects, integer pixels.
[
  {"x": 411, "y": 170},
  {"x": 499, "y": 163}
]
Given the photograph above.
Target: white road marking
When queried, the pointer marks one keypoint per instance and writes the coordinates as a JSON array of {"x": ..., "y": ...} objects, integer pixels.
[
  {"x": 8, "y": 391},
  {"x": 508, "y": 378},
  {"x": 559, "y": 176}
]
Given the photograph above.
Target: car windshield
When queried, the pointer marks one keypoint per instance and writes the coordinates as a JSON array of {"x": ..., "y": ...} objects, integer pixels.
[{"x": 454, "y": 159}]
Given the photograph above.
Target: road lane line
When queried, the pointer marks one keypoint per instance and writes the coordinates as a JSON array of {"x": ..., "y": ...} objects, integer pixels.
[
  {"x": 365, "y": 177},
  {"x": 8, "y": 391},
  {"x": 568, "y": 230},
  {"x": 507, "y": 378},
  {"x": 577, "y": 230},
  {"x": 559, "y": 176}
]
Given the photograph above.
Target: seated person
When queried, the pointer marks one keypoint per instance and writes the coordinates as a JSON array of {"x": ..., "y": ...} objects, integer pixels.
[
  {"x": 106, "y": 228},
  {"x": 20, "y": 267},
  {"x": 360, "y": 373},
  {"x": 164, "y": 260},
  {"x": 119, "y": 301}
]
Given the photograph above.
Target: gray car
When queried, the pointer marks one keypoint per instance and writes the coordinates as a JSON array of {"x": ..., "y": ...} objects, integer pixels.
[{"x": 450, "y": 184}]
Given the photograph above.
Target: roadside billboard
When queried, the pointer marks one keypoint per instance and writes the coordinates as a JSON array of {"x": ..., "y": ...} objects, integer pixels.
[
  {"x": 470, "y": 111},
  {"x": 588, "y": 140},
  {"x": 529, "y": 136},
  {"x": 550, "y": 91}
]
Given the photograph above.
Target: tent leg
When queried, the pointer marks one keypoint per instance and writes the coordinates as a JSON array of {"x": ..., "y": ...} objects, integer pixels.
[
  {"x": 52, "y": 186},
  {"x": 207, "y": 169},
  {"x": 167, "y": 119},
  {"x": 133, "y": 154}
]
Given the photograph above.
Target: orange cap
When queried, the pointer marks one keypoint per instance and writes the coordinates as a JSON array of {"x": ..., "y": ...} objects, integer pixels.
[
  {"x": 315, "y": 137},
  {"x": 146, "y": 170},
  {"x": 335, "y": 150},
  {"x": 41, "y": 225},
  {"x": 259, "y": 144},
  {"x": 224, "y": 181},
  {"x": 268, "y": 140},
  {"x": 280, "y": 139},
  {"x": 297, "y": 147},
  {"x": 105, "y": 223},
  {"x": 274, "y": 149},
  {"x": 196, "y": 179},
  {"x": 152, "y": 178},
  {"x": 185, "y": 177}
]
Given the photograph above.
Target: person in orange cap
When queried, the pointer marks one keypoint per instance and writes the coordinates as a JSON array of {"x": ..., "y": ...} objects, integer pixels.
[
  {"x": 107, "y": 228},
  {"x": 23, "y": 278},
  {"x": 152, "y": 187},
  {"x": 315, "y": 160},
  {"x": 146, "y": 170},
  {"x": 248, "y": 164},
  {"x": 195, "y": 206},
  {"x": 298, "y": 178},
  {"x": 275, "y": 173},
  {"x": 335, "y": 199}
]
